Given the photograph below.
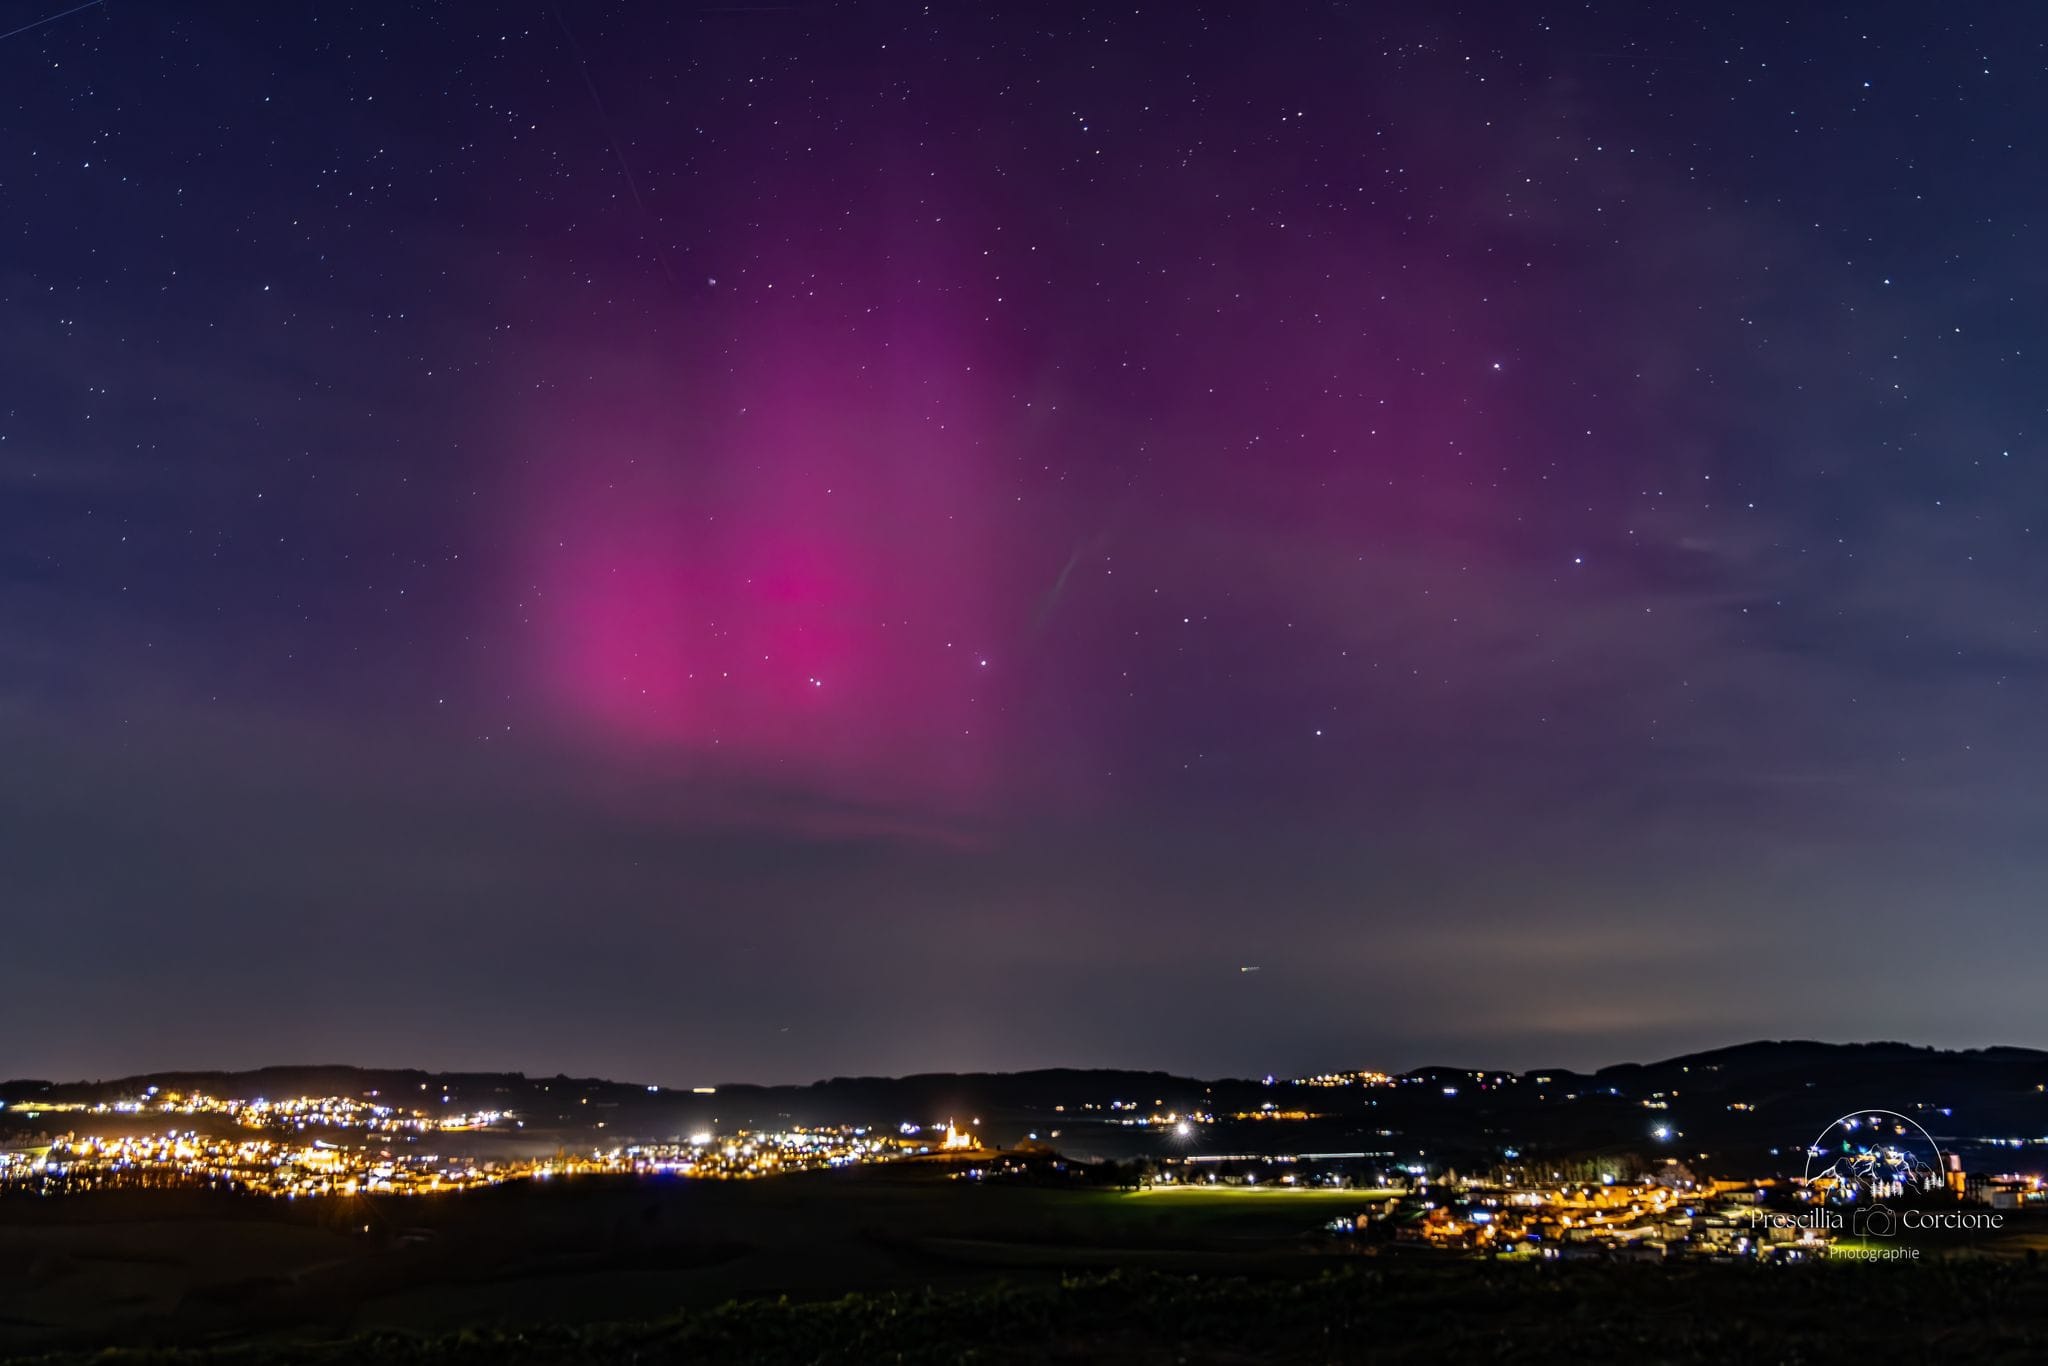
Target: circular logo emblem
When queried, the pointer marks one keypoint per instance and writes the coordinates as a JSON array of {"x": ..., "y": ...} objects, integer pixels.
[{"x": 1873, "y": 1155}]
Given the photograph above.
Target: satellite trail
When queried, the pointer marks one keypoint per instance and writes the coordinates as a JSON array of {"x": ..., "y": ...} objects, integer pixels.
[{"x": 75, "y": 9}]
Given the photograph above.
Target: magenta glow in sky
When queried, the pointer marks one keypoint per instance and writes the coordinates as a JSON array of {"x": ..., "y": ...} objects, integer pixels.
[
  {"x": 796, "y": 583},
  {"x": 858, "y": 539}
]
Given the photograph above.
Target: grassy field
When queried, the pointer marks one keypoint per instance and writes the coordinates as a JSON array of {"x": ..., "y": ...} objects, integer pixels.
[
  {"x": 704, "y": 1264},
  {"x": 1228, "y": 1201},
  {"x": 168, "y": 1267},
  {"x": 1359, "y": 1311}
]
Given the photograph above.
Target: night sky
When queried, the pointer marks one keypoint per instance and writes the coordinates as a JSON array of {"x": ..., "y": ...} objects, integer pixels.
[{"x": 762, "y": 541}]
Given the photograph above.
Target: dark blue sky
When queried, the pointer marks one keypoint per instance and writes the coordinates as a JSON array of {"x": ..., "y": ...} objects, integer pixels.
[{"x": 755, "y": 542}]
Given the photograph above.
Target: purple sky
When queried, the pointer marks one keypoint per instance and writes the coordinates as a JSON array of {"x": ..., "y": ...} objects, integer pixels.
[{"x": 765, "y": 543}]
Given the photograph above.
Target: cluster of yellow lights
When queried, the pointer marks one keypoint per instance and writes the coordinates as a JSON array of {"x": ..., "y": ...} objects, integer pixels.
[
  {"x": 1271, "y": 1111},
  {"x": 262, "y": 1165},
  {"x": 1604, "y": 1215},
  {"x": 1346, "y": 1079},
  {"x": 272, "y": 1167},
  {"x": 296, "y": 1112}
]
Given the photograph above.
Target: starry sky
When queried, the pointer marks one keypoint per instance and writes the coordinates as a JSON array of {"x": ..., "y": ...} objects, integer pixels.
[{"x": 761, "y": 541}]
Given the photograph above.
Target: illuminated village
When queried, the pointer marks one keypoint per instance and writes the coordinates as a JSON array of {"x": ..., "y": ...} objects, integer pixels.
[
  {"x": 276, "y": 1148},
  {"x": 315, "y": 1146},
  {"x": 1642, "y": 1219}
]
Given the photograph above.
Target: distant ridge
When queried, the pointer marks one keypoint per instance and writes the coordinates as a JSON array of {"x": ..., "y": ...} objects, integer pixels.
[
  {"x": 1744, "y": 1106},
  {"x": 348, "y": 1077}
]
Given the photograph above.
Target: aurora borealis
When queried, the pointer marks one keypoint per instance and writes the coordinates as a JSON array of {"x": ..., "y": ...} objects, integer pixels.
[{"x": 751, "y": 543}]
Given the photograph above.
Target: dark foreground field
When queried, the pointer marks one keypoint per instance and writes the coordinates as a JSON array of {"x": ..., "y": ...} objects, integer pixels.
[
  {"x": 150, "y": 1268},
  {"x": 1457, "y": 1312},
  {"x": 887, "y": 1267}
]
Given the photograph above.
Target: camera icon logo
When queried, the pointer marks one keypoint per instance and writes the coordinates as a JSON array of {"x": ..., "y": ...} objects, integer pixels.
[{"x": 1876, "y": 1221}]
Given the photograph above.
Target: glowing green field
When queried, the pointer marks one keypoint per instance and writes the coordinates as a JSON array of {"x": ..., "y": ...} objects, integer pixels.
[{"x": 1197, "y": 1196}]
